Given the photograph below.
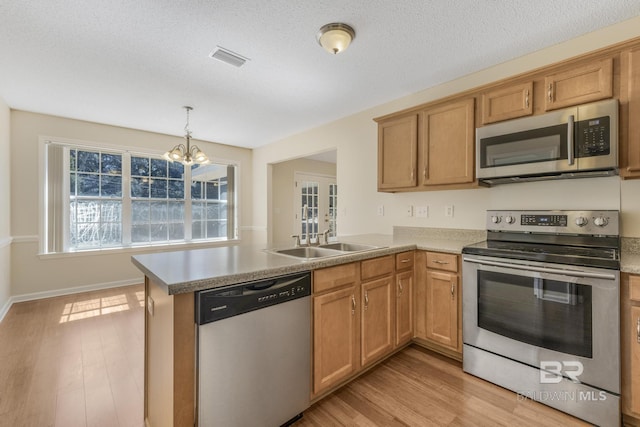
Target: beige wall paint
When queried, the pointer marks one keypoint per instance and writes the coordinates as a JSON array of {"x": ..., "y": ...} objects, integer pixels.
[
  {"x": 35, "y": 274},
  {"x": 5, "y": 206},
  {"x": 283, "y": 194},
  {"x": 355, "y": 139}
]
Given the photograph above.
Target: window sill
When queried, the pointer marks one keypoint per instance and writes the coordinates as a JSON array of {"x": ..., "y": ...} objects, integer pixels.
[{"x": 161, "y": 247}]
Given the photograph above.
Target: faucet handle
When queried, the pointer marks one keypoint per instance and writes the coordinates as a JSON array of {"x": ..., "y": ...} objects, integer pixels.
[
  {"x": 325, "y": 236},
  {"x": 297, "y": 241}
]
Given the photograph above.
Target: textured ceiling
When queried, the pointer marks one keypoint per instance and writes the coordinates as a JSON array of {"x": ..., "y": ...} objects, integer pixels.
[{"x": 135, "y": 63}]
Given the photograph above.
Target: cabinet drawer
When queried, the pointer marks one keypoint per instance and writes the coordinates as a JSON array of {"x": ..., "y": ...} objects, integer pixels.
[
  {"x": 440, "y": 261},
  {"x": 634, "y": 288},
  {"x": 376, "y": 267},
  {"x": 335, "y": 277},
  {"x": 404, "y": 260}
]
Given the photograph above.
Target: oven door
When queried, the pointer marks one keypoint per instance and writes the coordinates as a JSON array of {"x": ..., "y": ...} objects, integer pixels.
[{"x": 553, "y": 316}]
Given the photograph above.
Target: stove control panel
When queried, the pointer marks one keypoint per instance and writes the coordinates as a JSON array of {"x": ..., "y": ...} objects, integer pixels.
[{"x": 605, "y": 222}]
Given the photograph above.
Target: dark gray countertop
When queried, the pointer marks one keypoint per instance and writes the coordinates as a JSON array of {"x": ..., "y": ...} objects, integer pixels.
[{"x": 199, "y": 269}]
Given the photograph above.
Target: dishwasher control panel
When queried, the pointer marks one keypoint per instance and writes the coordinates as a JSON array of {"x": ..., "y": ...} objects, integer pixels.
[{"x": 221, "y": 303}]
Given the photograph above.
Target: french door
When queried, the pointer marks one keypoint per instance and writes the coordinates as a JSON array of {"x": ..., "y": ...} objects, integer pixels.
[{"x": 315, "y": 206}]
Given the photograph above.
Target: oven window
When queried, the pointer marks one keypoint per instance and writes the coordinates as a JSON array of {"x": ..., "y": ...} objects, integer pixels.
[
  {"x": 544, "y": 313},
  {"x": 538, "y": 145}
]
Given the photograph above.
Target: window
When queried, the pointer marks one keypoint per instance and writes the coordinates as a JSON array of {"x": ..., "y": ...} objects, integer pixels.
[{"x": 106, "y": 198}]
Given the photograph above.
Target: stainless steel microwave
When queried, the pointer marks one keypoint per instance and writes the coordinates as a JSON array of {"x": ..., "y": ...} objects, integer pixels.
[{"x": 569, "y": 143}]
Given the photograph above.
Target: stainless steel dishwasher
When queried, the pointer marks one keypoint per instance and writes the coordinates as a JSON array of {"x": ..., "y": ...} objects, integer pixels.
[{"x": 254, "y": 352}]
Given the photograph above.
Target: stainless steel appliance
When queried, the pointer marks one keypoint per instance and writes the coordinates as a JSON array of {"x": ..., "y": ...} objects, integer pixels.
[
  {"x": 541, "y": 309},
  {"x": 570, "y": 143},
  {"x": 254, "y": 353}
]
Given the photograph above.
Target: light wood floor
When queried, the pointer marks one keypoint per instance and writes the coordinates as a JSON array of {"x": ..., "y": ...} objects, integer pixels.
[
  {"x": 75, "y": 360},
  {"x": 78, "y": 361}
]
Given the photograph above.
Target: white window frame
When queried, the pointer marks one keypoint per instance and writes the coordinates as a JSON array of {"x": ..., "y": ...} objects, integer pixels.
[{"x": 127, "y": 152}]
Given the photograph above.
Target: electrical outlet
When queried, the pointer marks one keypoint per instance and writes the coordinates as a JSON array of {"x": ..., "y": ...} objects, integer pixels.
[
  {"x": 150, "y": 305},
  {"x": 448, "y": 211},
  {"x": 409, "y": 210},
  {"x": 380, "y": 210},
  {"x": 422, "y": 211}
]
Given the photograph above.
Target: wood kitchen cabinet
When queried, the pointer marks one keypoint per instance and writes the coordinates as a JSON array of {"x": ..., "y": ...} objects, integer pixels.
[
  {"x": 509, "y": 102},
  {"x": 336, "y": 325},
  {"x": 404, "y": 297},
  {"x": 585, "y": 83},
  {"x": 446, "y": 144},
  {"x": 397, "y": 152},
  {"x": 432, "y": 148},
  {"x": 438, "y": 303},
  {"x": 377, "y": 309},
  {"x": 630, "y": 97},
  {"x": 630, "y": 347}
]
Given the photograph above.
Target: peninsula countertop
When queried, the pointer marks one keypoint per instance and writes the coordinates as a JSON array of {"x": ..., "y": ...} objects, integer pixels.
[{"x": 199, "y": 269}]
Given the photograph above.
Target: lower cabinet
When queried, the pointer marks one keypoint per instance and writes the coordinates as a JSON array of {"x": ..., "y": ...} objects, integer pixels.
[
  {"x": 336, "y": 331},
  {"x": 630, "y": 347},
  {"x": 361, "y": 312},
  {"x": 442, "y": 308},
  {"x": 377, "y": 319},
  {"x": 438, "y": 322},
  {"x": 404, "y": 279}
]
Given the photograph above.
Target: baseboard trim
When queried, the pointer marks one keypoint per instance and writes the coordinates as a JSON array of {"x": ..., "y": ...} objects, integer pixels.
[{"x": 66, "y": 291}]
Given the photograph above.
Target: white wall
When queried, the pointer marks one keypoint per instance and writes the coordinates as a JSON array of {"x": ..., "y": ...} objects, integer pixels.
[
  {"x": 283, "y": 192},
  {"x": 5, "y": 207},
  {"x": 34, "y": 275},
  {"x": 355, "y": 138}
]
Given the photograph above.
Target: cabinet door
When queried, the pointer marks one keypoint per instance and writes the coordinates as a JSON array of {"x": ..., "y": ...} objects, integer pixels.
[
  {"x": 447, "y": 144},
  {"x": 377, "y": 319},
  {"x": 634, "y": 348},
  {"x": 507, "y": 103},
  {"x": 397, "y": 151},
  {"x": 404, "y": 307},
  {"x": 335, "y": 337},
  {"x": 587, "y": 83},
  {"x": 630, "y": 146},
  {"x": 442, "y": 308}
]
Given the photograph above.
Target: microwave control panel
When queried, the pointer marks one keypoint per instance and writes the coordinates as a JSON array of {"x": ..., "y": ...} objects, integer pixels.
[{"x": 592, "y": 137}]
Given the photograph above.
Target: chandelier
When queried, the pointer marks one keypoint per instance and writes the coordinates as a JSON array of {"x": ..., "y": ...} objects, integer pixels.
[{"x": 186, "y": 154}]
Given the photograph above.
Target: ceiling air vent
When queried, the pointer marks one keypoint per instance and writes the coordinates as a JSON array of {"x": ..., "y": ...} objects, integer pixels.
[{"x": 231, "y": 58}]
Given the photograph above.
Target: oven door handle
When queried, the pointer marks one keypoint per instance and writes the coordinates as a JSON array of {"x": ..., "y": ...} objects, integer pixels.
[{"x": 572, "y": 273}]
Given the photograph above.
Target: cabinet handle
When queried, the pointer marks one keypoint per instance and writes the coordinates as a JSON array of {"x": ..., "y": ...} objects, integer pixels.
[
  {"x": 638, "y": 330},
  {"x": 437, "y": 261},
  {"x": 413, "y": 173},
  {"x": 453, "y": 287},
  {"x": 400, "y": 285},
  {"x": 353, "y": 304},
  {"x": 366, "y": 300},
  {"x": 424, "y": 173},
  {"x": 404, "y": 261},
  {"x": 550, "y": 92},
  {"x": 526, "y": 98}
]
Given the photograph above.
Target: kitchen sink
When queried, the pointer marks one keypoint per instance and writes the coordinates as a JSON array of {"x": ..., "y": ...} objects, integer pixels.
[
  {"x": 348, "y": 247},
  {"x": 322, "y": 251},
  {"x": 309, "y": 252}
]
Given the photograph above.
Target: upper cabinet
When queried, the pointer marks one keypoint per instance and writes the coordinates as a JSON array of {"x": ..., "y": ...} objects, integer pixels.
[
  {"x": 446, "y": 144},
  {"x": 397, "y": 152},
  {"x": 507, "y": 102},
  {"x": 432, "y": 148},
  {"x": 578, "y": 85},
  {"x": 630, "y": 109}
]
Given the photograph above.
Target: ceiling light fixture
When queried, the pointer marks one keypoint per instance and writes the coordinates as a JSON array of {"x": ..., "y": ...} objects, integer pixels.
[
  {"x": 336, "y": 37},
  {"x": 186, "y": 154}
]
